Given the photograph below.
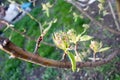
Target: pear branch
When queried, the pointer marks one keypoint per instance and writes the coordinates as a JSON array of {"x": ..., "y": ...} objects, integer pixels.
[{"x": 17, "y": 52}]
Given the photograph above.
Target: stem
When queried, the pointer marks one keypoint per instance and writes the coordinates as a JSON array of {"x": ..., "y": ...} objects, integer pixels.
[
  {"x": 22, "y": 34},
  {"x": 76, "y": 51},
  {"x": 94, "y": 57},
  {"x": 38, "y": 44},
  {"x": 76, "y": 47},
  {"x": 113, "y": 14},
  {"x": 33, "y": 18}
]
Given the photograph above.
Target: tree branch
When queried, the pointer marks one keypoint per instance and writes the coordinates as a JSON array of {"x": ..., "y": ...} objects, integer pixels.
[
  {"x": 16, "y": 52},
  {"x": 113, "y": 14},
  {"x": 23, "y": 34}
]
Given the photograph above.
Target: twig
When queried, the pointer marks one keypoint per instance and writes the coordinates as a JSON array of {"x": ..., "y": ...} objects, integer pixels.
[
  {"x": 113, "y": 14},
  {"x": 38, "y": 44},
  {"x": 16, "y": 52},
  {"x": 33, "y": 18},
  {"x": 30, "y": 38},
  {"x": 15, "y": 30},
  {"x": 76, "y": 4},
  {"x": 94, "y": 57},
  {"x": 41, "y": 37},
  {"x": 40, "y": 26},
  {"x": 22, "y": 34}
]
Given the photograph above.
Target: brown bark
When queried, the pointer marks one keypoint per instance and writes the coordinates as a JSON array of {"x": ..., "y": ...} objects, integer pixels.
[{"x": 17, "y": 52}]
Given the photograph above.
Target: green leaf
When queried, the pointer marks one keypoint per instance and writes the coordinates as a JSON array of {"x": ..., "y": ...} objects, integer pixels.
[
  {"x": 105, "y": 12},
  {"x": 47, "y": 13},
  {"x": 75, "y": 16},
  {"x": 100, "y": 45},
  {"x": 85, "y": 38},
  {"x": 46, "y": 8},
  {"x": 95, "y": 46},
  {"x": 101, "y": 1},
  {"x": 100, "y": 6},
  {"x": 73, "y": 62},
  {"x": 104, "y": 49},
  {"x": 78, "y": 37},
  {"x": 86, "y": 26}
]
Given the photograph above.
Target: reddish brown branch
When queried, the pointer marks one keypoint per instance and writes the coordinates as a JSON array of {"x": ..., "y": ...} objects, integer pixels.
[
  {"x": 38, "y": 44},
  {"x": 19, "y": 53}
]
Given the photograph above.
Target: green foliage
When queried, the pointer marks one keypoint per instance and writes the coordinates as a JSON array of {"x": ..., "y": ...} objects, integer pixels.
[
  {"x": 85, "y": 38},
  {"x": 73, "y": 62},
  {"x": 50, "y": 74},
  {"x": 64, "y": 40},
  {"x": 11, "y": 70},
  {"x": 46, "y": 7},
  {"x": 97, "y": 47}
]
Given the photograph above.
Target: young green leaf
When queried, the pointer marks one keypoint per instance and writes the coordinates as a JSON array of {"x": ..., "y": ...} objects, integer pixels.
[
  {"x": 86, "y": 26},
  {"x": 85, "y": 38},
  {"x": 46, "y": 8},
  {"x": 73, "y": 62},
  {"x": 101, "y": 1},
  {"x": 75, "y": 16},
  {"x": 104, "y": 49},
  {"x": 95, "y": 46},
  {"x": 78, "y": 37}
]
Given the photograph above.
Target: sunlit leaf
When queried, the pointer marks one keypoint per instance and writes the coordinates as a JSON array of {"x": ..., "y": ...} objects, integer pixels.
[
  {"x": 101, "y": 1},
  {"x": 78, "y": 59},
  {"x": 85, "y": 38},
  {"x": 78, "y": 38},
  {"x": 73, "y": 62},
  {"x": 105, "y": 13},
  {"x": 86, "y": 26},
  {"x": 95, "y": 46},
  {"x": 47, "y": 29},
  {"x": 47, "y": 13},
  {"x": 104, "y": 49},
  {"x": 75, "y": 16},
  {"x": 49, "y": 5},
  {"x": 100, "y": 6},
  {"x": 61, "y": 40},
  {"x": 55, "y": 20},
  {"x": 46, "y": 7},
  {"x": 100, "y": 45},
  {"x": 72, "y": 35}
]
